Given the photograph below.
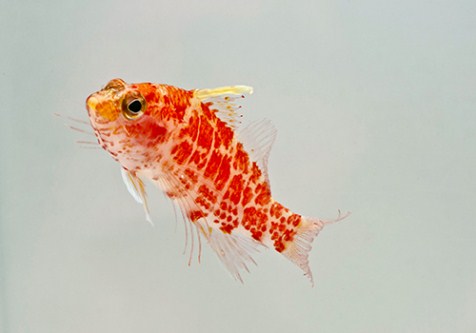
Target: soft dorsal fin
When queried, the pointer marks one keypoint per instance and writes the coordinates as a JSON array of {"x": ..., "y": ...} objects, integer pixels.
[
  {"x": 223, "y": 101},
  {"x": 258, "y": 138},
  {"x": 136, "y": 188}
]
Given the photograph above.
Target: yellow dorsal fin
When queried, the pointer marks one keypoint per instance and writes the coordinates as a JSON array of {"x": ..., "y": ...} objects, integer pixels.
[{"x": 229, "y": 90}]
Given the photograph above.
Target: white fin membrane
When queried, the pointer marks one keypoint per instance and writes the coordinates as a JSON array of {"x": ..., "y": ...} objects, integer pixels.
[
  {"x": 298, "y": 251},
  {"x": 136, "y": 188},
  {"x": 235, "y": 250},
  {"x": 258, "y": 138}
]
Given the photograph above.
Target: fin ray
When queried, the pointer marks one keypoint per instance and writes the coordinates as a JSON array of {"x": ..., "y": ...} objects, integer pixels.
[
  {"x": 234, "y": 250},
  {"x": 136, "y": 188},
  {"x": 223, "y": 101},
  {"x": 298, "y": 251},
  {"x": 258, "y": 138}
]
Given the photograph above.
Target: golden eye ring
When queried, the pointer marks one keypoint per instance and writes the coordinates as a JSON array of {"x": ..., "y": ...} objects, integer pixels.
[{"x": 133, "y": 106}]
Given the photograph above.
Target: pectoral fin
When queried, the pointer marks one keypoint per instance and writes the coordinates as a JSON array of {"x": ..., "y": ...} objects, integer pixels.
[{"x": 136, "y": 188}]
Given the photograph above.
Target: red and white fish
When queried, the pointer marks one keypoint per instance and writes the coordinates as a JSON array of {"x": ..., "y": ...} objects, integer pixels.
[{"x": 188, "y": 143}]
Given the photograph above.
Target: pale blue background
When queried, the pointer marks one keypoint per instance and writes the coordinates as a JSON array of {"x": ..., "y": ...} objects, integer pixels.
[{"x": 374, "y": 102}]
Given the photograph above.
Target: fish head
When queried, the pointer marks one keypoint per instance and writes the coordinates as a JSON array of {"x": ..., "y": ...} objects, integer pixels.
[
  {"x": 116, "y": 99},
  {"x": 123, "y": 118}
]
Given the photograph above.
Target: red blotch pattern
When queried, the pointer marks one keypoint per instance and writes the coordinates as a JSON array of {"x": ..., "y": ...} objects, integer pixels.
[
  {"x": 182, "y": 151},
  {"x": 212, "y": 168}
]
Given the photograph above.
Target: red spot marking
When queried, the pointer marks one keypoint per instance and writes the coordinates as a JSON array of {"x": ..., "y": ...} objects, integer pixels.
[
  {"x": 213, "y": 164},
  {"x": 167, "y": 112},
  {"x": 279, "y": 246},
  {"x": 195, "y": 215},
  {"x": 227, "y": 228},
  {"x": 247, "y": 196},
  {"x": 276, "y": 210},
  {"x": 294, "y": 219},
  {"x": 255, "y": 173},
  {"x": 206, "y": 110},
  {"x": 263, "y": 194},
  {"x": 254, "y": 220},
  {"x": 192, "y": 175},
  {"x": 235, "y": 189},
  {"x": 180, "y": 111},
  {"x": 257, "y": 235},
  {"x": 224, "y": 134},
  {"x": 207, "y": 194},
  {"x": 150, "y": 97},
  {"x": 176, "y": 101},
  {"x": 181, "y": 151},
  {"x": 191, "y": 130},
  {"x": 223, "y": 173},
  {"x": 205, "y": 136},
  {"x": 241, "y": 159},
  {"x": 284, "y": 230},
  {"x": 287, "y": 236}
]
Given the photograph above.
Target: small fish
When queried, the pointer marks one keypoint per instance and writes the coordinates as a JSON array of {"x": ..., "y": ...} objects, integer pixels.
[{"x": 191, "y": 145}]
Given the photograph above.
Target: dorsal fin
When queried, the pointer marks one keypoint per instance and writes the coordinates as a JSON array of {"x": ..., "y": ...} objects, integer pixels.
[
  {"x": 258, "y": 138},
  {"x": 204, "y": 94},
  {"x": 136, "y": 188},
  {"x": 223, "y": 101}
]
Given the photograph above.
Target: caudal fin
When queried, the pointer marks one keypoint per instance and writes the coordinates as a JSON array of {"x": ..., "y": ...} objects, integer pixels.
[{"x": 298, "y": 250}]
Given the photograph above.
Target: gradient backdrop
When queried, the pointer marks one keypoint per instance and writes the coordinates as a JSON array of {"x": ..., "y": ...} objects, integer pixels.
[{"x": 374, "y": 102}]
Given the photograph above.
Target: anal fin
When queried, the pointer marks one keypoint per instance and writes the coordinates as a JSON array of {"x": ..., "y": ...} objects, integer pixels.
[{"x": 234, "y": 250}]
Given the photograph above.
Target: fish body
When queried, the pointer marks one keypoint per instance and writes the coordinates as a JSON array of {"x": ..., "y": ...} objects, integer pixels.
[{"x": 188, "y": 143}]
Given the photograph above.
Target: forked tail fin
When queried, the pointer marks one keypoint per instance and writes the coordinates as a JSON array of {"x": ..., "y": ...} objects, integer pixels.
[{"x": 298, "y": 250}]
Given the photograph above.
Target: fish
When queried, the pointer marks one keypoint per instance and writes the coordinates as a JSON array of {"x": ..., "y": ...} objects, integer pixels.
[{"x": 192, "y": 145}]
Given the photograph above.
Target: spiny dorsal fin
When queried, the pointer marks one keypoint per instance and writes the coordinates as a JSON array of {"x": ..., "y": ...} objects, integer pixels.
[
  {"x": 223, "y": 102},
  {"x": 136, "y": 188},
  {"x": 204, "y": 94}
]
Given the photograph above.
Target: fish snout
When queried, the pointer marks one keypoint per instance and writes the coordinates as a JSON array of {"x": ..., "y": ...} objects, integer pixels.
[{"x": 91, "y": 103}]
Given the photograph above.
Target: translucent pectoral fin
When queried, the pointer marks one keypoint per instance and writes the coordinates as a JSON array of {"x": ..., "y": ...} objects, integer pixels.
[{"x": 136, "y": 188}]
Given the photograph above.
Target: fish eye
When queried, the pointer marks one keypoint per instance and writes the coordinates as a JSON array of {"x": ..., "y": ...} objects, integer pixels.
[{"x": 133, "y": 106}]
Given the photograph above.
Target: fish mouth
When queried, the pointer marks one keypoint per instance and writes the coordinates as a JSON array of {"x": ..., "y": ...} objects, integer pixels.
[{"x": 91, "y": 103}]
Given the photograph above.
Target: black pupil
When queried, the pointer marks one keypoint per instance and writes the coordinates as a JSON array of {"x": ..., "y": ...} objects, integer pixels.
[{"x": 135, "y": 106}]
